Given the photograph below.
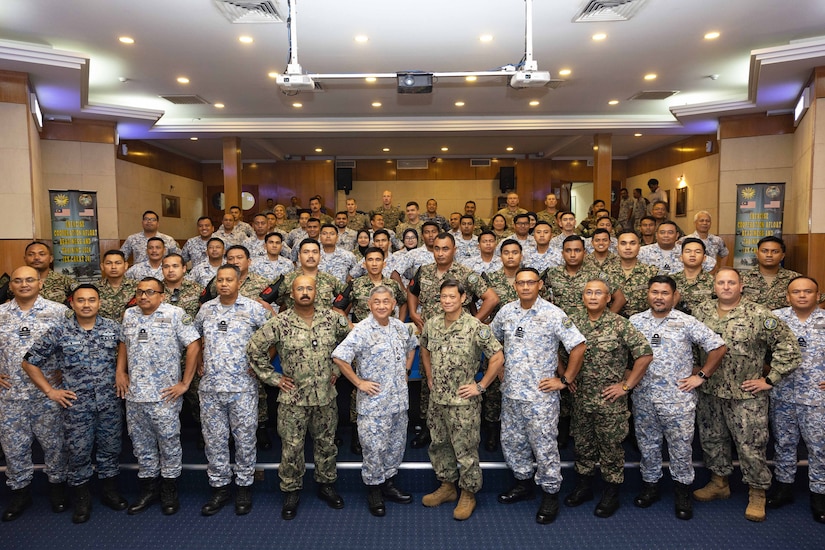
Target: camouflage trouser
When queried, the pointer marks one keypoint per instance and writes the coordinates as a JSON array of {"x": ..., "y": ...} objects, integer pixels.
[
  {"x": 23, "y": 420},
  {"x": 528, "y": 429},
  {"x": 155, "y": 431},
  {"x": 425, "y": 395},
  {"x": 383, "y": 439},
  {"x": 491, "y": 403},
  {"x": 294, "y": 421},
  {"x": 455, "y": 432},
  {"x": 599, "y": 436},
  {"x": 674, "y": 422},
  {"x": 222, "y": 413},
  {"x": 746, "y": 422},
  {"x": 192, "y": 398},
  {"x": 263, "y": 406},
  {"x": 789, "y": 421},
  {"x": 86, "y": 424}
]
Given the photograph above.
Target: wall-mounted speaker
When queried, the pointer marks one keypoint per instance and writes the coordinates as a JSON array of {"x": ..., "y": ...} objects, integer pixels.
[
  {"x": 343, "y": 179},
  {"x": 507, "y": 178}
]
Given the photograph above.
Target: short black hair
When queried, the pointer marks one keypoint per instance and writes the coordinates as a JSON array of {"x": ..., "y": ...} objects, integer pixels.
[
  {"x": 771, "y": 239},
  {"x": 663, "y": 279},
  {"x": 694, "y": 240}
]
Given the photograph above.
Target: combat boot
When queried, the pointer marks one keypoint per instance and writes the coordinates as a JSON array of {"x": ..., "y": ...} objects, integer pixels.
[
  {"x": 582, "y": 493},
  {"x": 684, "y": 506},
  {"x": 549, "y": 508},
  {"x": 522, "y": 490},
  {"x": 82, "y": 504},
  {"x": 781, "y": 495},
  {"x": 243, "y": 500},
  {"x": 609, "y": 502},
  {"x": 649, "y": 495},
  {"x": 169, "y": 503},
  {"x": 445, "y": 493},
  {"x": 466, "y": 505},
  {"x": 57, "y": 497},
  {"x": 393, "y": 493},
  {"x": 290, "y": 507},
  {"x": 716, "y": 489},
  {"x": 220, "y": 496},
  {"x": 818, "y": 507},
  {"x": 20, "y": 500},
  {"x": 375, "y": 501},
  {"x": 111, "y": 497},
  {"x": 149, "y": 493},
  {"x": 756, "y": 505}
]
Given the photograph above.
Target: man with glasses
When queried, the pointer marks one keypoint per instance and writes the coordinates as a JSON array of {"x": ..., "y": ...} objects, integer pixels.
[
  {"x": 135, "y": 245},
  {"x": 521, "y": 226},
  {"x": 152, "y": 385}
]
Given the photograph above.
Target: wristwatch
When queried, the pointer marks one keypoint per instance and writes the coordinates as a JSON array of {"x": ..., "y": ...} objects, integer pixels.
[
  {"x": 480, "y": 388},
  {"x": 564, "y": 380},
  {"x": 702, "y": 375},
  {"x": 626, "y": 388},
  {"x": 768, "y": 381}
]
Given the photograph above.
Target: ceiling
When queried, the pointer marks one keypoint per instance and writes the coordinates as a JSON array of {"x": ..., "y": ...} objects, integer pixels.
[{"x": 760, "y": 62}]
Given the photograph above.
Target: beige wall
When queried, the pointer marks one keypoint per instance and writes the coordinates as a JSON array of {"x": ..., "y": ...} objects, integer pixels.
[
  {"x": 140, "y": 188},
  {"x": 450, "y": 194},
  {"x": 702, "y": 179},
  {"x": 817, "y": 112},
  {"x": 15, "y": 172},
  {"x": 799, "y": 195}
]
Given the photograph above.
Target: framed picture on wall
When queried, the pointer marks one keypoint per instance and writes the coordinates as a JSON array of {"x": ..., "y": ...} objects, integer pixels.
[
  {"x": 681, "y": 202},
  {"x": 171, "y": 206}
]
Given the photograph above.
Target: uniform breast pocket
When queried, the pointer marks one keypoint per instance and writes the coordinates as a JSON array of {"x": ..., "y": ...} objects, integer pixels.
[{"x": 73, "y": 353}]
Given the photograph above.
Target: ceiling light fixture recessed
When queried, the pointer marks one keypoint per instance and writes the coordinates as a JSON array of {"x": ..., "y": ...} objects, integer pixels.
[
  {"x": 471, "y": 78},
  {"x": 127, "y": 39},
  {"x": 534, "y": 103},
  {"x": 508, "y": 149},
  {"x": 371, "y": 79},
  {"x": 361, "y": 38},
  {"x": 319, "y": 150},
  {"x": 193, "y": 139},
  {"x": 637, "y": 134},
  {"x": 599, "y": 36},
  {"x": 486, "y": 38},
  {"x": 712, "y": 35},
  {"x": 565, "y": 72},
  {"x": 459, "y": 104},
  {"x": 246, "y": 39},
  {"x": 650, "y": 76},
  {"x": 376, "y": 103},
  {"x": 445, "y": 149},
  {"x": 386, "y": 149},
  {"x": 183, "y": 80},
  {"x": 219, "y": 105},
  {"x": 297, "y": 105},
  {"x": 613, "y": 102}
]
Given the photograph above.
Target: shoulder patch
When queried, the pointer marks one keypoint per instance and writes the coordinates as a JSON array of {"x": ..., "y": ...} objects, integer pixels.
[
  {"x": 69, "y": 313},
  {"x": 186, "y": 319},
  {"x": 485, "y": 332},
  {"x": 770, "y": 323},
  {"x": 342, "y": 320},
  {"x": 567, "y": 323},
  {"x": 472, "y": 278}
]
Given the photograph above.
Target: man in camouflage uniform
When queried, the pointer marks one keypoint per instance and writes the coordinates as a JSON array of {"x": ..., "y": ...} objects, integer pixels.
[
  {"x": 664, "y": 403},
  {"x": 548, "y": 215},
  {"x": 563, "y": 285},
  {"x": 542, "y": 256},
  {"x": 521, "y": 233},
  {"x": 298, "y": 234},
  {"x": 85, "y": 349},
  {"x": 666, "y": 254},
  {"x": 346, "y": 236},
  {"x": 25, "y": 413},
  {"x": 733, "y": 404},
  {"x": 273, "y": 265},
  {"x": 206, "y": 270},
  {"x": 426, "y": 292},
  {"x": 237, "y": 214},
  {"x": 313, "y": 231},
  {"x": 431, "y": 214},
  {"x": 355, "y": 219},
  {"x": 451, "y": 346},
  {"x": 335, "y": 260},
  {"x": 466, "y": 242},
  {"x": 135, "y": 244},
  {"x": 116, "y": 291},
  {"x": 600, "y": 247},
  {"x": 600, "y": 405},
  {"x": 229, "y": 232},
  {"x": 228, "y": 391},
  {"x": 410, "y": 262},
  {"x": 55, "y": 286},
  {"x": 630, "y": 275},
  {"x": 511, "y": 209},
  {"x": 326, "y": 286},
  {"x": 392, "y": 214},
  {"x": 256, "y": 244},
  {"x": 155, "y": 251},
  {"x": 478, "y": 222},
  {"x": 153, "y": 387},
  {"x": 304, "y": 337},
  {"x": 798, "y": 400},
  {"x": 486, "y": 260},
  {"x": 767, "y": 284},
  {"x": 695, "y": 285},
  {"x": 194, "y": 249},
  {"x": 315, "y": 211},
  {"x": 411, "y": 221},
  {"x": 531, "y": 330},
  {"x": 385, "y": 349}
]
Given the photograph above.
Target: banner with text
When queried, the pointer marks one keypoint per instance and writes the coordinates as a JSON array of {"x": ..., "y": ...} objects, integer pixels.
[
  {"x": 75, "y": 242},
  {"x": 759, "y": 209}
]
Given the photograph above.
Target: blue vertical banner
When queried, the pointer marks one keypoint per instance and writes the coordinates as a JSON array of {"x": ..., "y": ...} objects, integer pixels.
[
  {"x": 759, "y": 209},
  {"x": 75, "y": 241}
]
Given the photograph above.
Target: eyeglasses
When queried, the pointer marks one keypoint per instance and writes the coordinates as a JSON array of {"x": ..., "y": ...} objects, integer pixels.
[
  {"x": 148, "y": 292},
  {"x": 596, "y": 293},
  {"x": 150, "y": 219},
  {"x": 527, "y": 283},
  {"x": 27, "y": 280}
]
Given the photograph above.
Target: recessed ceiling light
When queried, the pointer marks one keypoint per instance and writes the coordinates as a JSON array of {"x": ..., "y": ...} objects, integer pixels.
[
  {"x": 319, "y": 150},
  {"x": 599, "y": 36},
  {"x": 127, "y": 39},
  {"x": 183, "y": 80},
  {"x": 361, "y": 38},
  {"x": 459, "y": 104},
  {"x": 471, "y": 78},
  {"x": 297, "y": 105},
  {"x": 272, "y": 74},
  {"x": 376, "y": 103},
  {"x": 508, "y": 149},
  {"x": 712, "y": 35},
  {"x": 534, "y": 103},
  {"x": 219, "y": 105},
  {"x": 613, "y": 102},
  {"x": 651, "y": 76},
  {"x": 370, "y": 79},
  {"x": 445, "y": 149},
  {"x": 386, "y": 149},
  {"x": 637, "y": 135},
  {"x": 595, "y": 147},
  {"x": 245, "y": 39},
  {"x": 193, "y": 139},
  {"x": 565, "y": 72},
  {"x": 486, "y": 37}
]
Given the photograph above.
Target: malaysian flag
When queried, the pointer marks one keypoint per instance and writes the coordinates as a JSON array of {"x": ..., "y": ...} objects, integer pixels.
[
  {"x": 62, "y": 212},
  {"x": 747, "y": 205}
]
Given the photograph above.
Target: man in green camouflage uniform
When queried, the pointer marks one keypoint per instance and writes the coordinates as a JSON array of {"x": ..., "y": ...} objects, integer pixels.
[
  {"x": 56, "y": 286},
  {"x": 304, "y": 337},
  {"x": 392, "y": 214},
  {"x": 600, "y": 412},
  {"x": 451, "y": 346},
  {"x": 425, "y": 290},
  {"x": 695, "y": 285},
  {"x": 327, "y": 287},
  {"x": 733, "y": 403},
  {"x": 116, "y": 291},
  {"x": 767, "y": 285},
  {"x": 355, "y": 220},
  {"x": 630, "y": 275}
]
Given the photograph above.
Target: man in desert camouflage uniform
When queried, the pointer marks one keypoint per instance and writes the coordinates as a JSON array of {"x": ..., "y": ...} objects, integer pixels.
[
  {"x": 392, "y": 214},
  {"x": 695, "y": 285},
  {"x": 116, "y": 291},
  {"x": 56, "y": 286}
]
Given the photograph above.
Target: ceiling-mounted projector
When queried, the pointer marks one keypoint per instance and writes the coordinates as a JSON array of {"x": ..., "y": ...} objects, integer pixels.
[
  {"x": 295, "y": 82},
  {"x": 530, "y": 79}
]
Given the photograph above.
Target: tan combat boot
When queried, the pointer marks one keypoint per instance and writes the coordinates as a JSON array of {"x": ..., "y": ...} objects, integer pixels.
[
  {"x": 445, "y": 493},
  {"x": 466, "y": 505},
  {"x": 756, "y": 505},
  {"x": 716, "y": 489}
]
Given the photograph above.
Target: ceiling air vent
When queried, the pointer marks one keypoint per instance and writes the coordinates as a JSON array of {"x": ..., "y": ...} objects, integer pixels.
[
  {"x": 185, "y": 99},
  {"x": 655, "y": 94},
  {"x": 608, "y": 10},
  {"x": 345, "y": 164},
  {"x": 412, "y": 164},
  {"x": 480, "y": 163},
  {"x": 236, "y": 11}
]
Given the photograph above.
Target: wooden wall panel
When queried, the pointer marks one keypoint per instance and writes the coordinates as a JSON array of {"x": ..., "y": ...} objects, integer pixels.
[
  {"x": 14, "y": 87},
  {"x": 83, "y": 130},
  {"x": 142, "y": 153},
  {"x": 819, "y": 82},
  {"x": 736, "y": 126},
  {"x": 374, "y": 170},
  {"x": 684, "y": 150}
]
